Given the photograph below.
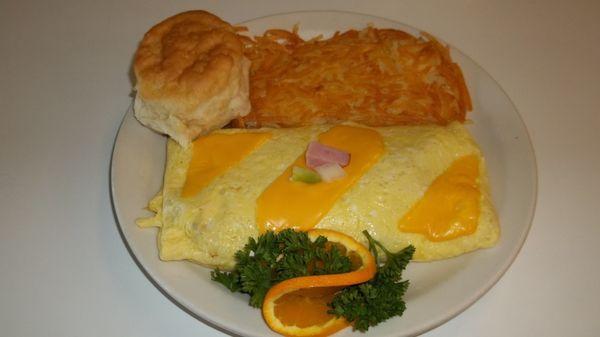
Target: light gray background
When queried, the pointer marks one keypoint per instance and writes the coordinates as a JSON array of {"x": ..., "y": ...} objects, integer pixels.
[{"x": 64, "y": 86}]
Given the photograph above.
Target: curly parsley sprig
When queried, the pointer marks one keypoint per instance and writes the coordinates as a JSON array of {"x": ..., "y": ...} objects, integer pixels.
[
  {"x": 370, "y": 303},
  {"x": 275, "y": 257}
]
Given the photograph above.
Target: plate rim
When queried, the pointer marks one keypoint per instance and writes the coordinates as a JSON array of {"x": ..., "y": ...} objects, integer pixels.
[
  {"x": 183, "y": 304},
  {"x": 179, "y": 302}
]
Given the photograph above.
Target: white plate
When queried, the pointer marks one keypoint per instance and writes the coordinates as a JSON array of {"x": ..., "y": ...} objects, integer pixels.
[{"x": 439, "y": 290}]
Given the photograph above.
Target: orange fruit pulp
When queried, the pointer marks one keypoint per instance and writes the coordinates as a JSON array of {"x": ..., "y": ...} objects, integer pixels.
[{"x": 298, "y": 306}]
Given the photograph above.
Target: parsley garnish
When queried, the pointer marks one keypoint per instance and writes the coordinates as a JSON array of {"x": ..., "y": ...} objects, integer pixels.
[
  {"x": 276, "y": 257},
  {"x": 370, "y": 303}
]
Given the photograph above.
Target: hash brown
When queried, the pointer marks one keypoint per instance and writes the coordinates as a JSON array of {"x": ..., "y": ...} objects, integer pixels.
[{"x": 375, "y": 77}]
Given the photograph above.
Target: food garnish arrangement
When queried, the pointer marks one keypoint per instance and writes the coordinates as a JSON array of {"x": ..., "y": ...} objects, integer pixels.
[{"x": 308, "y": 173}]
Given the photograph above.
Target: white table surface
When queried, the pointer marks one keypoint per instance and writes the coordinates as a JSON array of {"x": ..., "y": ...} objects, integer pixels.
[{"x": 64, "y": 86}]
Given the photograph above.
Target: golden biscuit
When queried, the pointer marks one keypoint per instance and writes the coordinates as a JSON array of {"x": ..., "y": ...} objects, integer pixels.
[{"x": 192, "y": 76}]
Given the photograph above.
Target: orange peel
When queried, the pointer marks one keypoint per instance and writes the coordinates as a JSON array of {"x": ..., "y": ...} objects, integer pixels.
[{"x": 298, "y": 306}]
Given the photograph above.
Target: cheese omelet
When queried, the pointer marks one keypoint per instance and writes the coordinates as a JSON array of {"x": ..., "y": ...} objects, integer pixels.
[{"x": 205, "y": 213}]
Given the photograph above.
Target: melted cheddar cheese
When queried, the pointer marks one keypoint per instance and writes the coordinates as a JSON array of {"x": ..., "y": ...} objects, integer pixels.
[
  {"x": 287, "y": 203},
  {"x": 214, "y": 154},
  {"x": 450, "y": 206}
]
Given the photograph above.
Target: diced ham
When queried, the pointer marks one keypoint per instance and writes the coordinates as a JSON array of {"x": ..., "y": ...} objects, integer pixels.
[{"x": 319, "y": 154}]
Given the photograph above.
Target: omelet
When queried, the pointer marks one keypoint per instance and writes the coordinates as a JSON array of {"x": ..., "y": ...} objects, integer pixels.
[{"x": 421, "y": 185}]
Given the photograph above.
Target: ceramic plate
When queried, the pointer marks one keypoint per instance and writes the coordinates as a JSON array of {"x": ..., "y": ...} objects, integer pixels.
[{"x": 439, "y": 290}]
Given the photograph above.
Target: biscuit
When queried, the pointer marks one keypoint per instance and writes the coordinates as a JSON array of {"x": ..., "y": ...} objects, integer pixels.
[{"x": 192, "y": 76}]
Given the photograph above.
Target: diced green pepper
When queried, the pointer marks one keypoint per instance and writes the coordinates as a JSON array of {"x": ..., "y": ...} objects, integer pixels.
[{"x": 305, "y": 175}]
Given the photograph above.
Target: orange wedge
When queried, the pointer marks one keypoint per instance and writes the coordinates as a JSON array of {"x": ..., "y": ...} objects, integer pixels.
[{"x": 298, "y": 306}]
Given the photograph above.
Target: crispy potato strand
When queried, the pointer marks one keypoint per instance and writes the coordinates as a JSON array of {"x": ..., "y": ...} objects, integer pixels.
[{"x": 375, "y": 77}]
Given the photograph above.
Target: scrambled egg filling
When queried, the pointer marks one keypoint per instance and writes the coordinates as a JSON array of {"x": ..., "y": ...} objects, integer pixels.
[{"x": 420, "y": 185}]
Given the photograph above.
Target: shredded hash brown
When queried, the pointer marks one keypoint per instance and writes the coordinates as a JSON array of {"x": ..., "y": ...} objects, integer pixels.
[{"x": 375, "y": 77}]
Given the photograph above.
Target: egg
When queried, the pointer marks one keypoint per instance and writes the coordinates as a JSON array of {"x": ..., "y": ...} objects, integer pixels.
[{"x": 421, "y": 185}]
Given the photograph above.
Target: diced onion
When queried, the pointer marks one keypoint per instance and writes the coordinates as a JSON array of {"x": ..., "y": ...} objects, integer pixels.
[{"x": 330, "y": 172}]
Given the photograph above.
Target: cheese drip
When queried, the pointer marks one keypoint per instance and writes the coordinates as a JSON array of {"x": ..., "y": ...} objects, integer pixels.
[
  {"x": 216, "y": 153},
  {"x": 299, "y": 205},
  {"x": 451, "y": 205}
]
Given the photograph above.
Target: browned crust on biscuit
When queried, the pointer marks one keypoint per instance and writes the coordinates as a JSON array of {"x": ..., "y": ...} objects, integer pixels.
[{"x": 187, "y": 59}]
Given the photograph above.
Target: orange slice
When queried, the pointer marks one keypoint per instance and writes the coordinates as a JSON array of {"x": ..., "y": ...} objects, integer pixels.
[{"x": 298, "y": 306}]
